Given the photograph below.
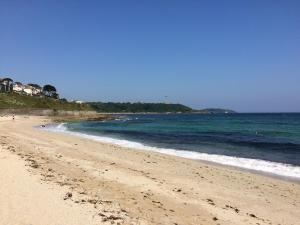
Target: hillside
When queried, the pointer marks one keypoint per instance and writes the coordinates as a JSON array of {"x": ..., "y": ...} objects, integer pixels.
[
  {"x": 111, "y": 107},
  {"x": 17, "y": 101}
]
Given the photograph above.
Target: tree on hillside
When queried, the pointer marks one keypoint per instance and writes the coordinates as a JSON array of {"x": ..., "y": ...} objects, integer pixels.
[
  {"x": 55, "y": 96},
  {"x": 8, "y": 84},
  {"x": 50, "y": 91},
  {"x": 18, "y": 83},
  {"x": 63, "y": 100}
]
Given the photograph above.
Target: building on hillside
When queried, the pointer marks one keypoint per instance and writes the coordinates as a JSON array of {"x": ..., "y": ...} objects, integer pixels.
[
  {"x": 6, "y": 85},
  {"x": 28, "y": 90},
  {"x": 36, "y": 90},
  {"x": 32, "y": 90},
  {"x": 18, "y": 87},
  {"x": 2, "y": 87}
]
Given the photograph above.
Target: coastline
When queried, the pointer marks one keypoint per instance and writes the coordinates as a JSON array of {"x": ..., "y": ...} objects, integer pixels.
[
  {"x": 267, "y": 168},
  {"x": 131, "y": 186}
]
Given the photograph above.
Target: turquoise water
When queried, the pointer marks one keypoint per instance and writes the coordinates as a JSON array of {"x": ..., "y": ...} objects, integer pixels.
[{"x": 269, "y": 137}]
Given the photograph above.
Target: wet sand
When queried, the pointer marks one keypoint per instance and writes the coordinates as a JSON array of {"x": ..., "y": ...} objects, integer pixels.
[{"x": 54, "y": 178}]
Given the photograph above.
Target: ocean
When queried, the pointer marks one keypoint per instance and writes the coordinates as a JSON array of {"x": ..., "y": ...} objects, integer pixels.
[{"x": 268, "y": 143}]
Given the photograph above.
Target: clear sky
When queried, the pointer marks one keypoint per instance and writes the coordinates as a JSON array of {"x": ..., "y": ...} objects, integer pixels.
[{"x": 242, "y": 55}]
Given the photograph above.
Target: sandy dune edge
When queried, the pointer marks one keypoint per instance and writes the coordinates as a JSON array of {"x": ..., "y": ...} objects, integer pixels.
[{"x": 49, "y": 178}]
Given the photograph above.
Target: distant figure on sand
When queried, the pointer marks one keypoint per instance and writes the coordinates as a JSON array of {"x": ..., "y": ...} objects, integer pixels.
[{"x": 13, "y": 117}]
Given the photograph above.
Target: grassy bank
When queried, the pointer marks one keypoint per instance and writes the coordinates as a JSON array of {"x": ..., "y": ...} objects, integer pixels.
[{"x": 17, "y": 101}]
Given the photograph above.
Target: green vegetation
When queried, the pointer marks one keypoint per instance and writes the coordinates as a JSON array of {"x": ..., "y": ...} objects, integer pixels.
[
  {"x": 15, "y": 95},
  {"x": 19, "y": 101},
  {"x": 50, "y": 91},
  {"x": 110, "y": 107}
]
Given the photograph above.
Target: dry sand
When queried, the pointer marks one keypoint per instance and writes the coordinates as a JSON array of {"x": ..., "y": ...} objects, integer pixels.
[{"x": 52, "y": 178}]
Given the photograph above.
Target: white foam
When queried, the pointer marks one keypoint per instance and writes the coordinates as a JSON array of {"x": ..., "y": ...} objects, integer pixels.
[{"x": 275, "y": 168}]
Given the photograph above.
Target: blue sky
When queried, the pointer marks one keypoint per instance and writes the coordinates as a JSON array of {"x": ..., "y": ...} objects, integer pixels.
[{"x": 243, "y": 55}]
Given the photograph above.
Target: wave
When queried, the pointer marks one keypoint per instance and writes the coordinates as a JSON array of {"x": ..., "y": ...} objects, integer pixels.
[{"x": 275, "y": 168}]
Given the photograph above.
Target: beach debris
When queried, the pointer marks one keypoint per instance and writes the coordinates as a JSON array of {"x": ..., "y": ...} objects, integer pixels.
[
  {"x": 58, "y": 156},
  {"x": 215, "y": 218},
  {"x": 33, "y": 164},
  {"x": 234, "y": 208},
  {"x": 49, "y": 175},
  {"x": 158, "y": 203},
  {"x": 93, "y": 201},
  {"x": 177, "y": 189},
  {"x": 68, "y": 195},
  {"x": 82, "y": 192},
  {"x": 252, "y": 215},
  {"x": 256, "y": 217},
  {"x": 111, "y": 218},
  {"x": 63, "y": 183},
  {"x": 211, "y": 202},
  {"x": 11, "y": 148}
]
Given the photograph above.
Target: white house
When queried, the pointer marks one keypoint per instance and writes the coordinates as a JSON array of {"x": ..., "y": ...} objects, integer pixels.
[
  {"x": 37, "y": 91},
  {"x": 32, "y": 90},
  {"x": 7, "y": 85},
  {"x": 28, "y": 90},
  {"x": 18, "y": 87}
]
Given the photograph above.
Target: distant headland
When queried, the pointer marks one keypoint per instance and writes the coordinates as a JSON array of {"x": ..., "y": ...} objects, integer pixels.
[{"x": 15, "y": 95}]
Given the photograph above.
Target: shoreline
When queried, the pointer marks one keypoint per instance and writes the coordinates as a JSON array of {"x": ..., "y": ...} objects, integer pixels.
[
  {"x": 255, "y": 172},
  {"x": 56, "y": 127},
  {"x": 128, "y": 186}
]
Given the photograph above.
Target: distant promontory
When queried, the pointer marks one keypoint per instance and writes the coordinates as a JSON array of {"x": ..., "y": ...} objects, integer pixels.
[
  {"x": 114, "y": 107},
  {"x": 15, "y": 95}
]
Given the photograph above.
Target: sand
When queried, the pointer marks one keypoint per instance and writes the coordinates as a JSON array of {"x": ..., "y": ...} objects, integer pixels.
[{"x": 54, "y": 178}]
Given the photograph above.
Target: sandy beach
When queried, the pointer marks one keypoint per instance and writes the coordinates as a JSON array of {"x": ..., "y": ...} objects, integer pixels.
[{"x": 53, "y": 178}]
